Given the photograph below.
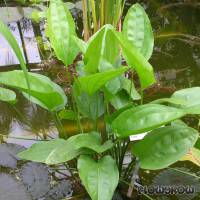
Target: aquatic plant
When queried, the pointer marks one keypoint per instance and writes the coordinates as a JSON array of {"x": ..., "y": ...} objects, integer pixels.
[{"x": 102, "y": 91}]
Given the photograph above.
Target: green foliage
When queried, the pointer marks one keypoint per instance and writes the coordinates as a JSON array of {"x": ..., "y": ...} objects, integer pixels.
[
  {"x": 102, "y": 47},
  {"x": 92, "y": 83},
  {"x": 102, "y": 90},
  {"x": 144, "y": 118},
  {"x": 99, "y": 178},
  {"x": 61, "y": 29},
  {"x": 13, "y": 43},
  {"x": 59, "y": 150},
  {"x": 42, "y": 90},
  {"x": 137, "y": 29},
  {"x": 164, "y": 146},
  {"x": 7, "y": 95}
]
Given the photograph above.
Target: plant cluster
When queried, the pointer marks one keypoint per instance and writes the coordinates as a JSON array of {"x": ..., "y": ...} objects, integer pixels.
[{"x": 101, "y": 90}]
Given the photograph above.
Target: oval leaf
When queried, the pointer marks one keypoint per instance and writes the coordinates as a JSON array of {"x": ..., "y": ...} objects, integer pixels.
[
  {"x": 99, "y": 178},
  {"x": 144, "y": 118},
  {"x": 43, "y": 91},
  {"x": 137, "y": 29},
  {"x": 60, "y": 29},
  {"x": 7, "y": 95},
  {"x": 59, "y": 150},
  {"x": 164, "y": 146}
]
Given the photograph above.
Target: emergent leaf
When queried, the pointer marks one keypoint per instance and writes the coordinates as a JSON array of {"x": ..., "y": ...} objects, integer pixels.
[
  {"x": 144, "y": 118},
  {"x": 164, "y": 146},
  {"x": 99, "y": 178},
  {"x": 137, "y": 29}
]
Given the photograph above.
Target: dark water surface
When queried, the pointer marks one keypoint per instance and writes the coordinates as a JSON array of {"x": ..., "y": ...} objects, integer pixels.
[{"x": 176, "y": 60}]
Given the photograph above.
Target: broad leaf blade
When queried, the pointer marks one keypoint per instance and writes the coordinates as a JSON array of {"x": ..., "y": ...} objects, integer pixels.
[
  {"x": 164, "y": 146},
  {"x": 59, "y": 150},
  {"x": 61, "y": 28},
  {"x": 99, "y": 178},
  {"x": 144, "y": 118},
  {"x": 42, "y": 90},
  {"x": 137, "y": 29}
]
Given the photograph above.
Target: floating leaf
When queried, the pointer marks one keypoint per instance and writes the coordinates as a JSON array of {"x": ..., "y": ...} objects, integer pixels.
[
  {"x": 11, "y": 189},
  {"x": 144, "y": 118},
  {"x": 59, "y": 150},
  {"x": 7, "y": 95},
  {"x": 137, "y": 28},
  {"x": 164, "y": 146},
  {"x": 43, "y": 91},
  {"x": 8, "y": 154},
  {"x": 35, "y": 177},
  {"x": 99, "y": 178}
]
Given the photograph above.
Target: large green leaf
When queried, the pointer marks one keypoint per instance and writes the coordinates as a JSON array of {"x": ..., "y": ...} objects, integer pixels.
[
  {"x": 92, "y": 83},
  {"x": 13, "y": 43},
  {"x": 42, "y": 91},
  {"x": 137, "y": 61},
  {"x": 7, "y": 95},
  {"x": 102, "y": 46},
  {"x": 144, "y": 118},
  {"x": 59, "y": 150},
  {"x": 164, "y": 146},
  {"x": 137, "y": 29},
  {"x": 61, "y": 29},
  {"x": 99, "y": 178},
  {"x": 191, "y": 98}
]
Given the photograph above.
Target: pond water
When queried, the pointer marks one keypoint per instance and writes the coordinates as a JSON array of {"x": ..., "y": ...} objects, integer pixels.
[{"x": 176, "y": 60}]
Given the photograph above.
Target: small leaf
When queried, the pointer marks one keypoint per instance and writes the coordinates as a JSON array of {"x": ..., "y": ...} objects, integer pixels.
[
  {"x": 164, "y": 146},
  {"x": 144, "y": 118},
  {"x": 92, "y": 83},
  {"x": 137, "y": 29},
  {"x": 59, "y": 150},
  {"x": 7, "y": 95},
  {"x": 43, "y": 91},
  {"x": 99, "y": 178}
]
